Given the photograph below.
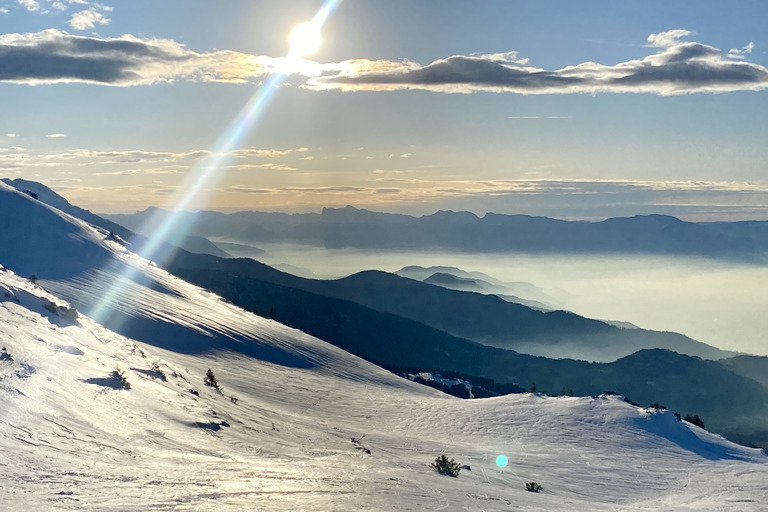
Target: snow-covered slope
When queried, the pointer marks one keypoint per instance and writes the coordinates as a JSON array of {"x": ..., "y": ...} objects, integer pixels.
[
  {"x": 74, "y": 439},
  {"x": 279, "y": 434}
]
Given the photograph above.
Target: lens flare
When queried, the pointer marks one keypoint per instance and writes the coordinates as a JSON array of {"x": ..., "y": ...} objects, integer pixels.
[
  {"x": 200, "y": 182},
  {"x": 502, "y": 461}
]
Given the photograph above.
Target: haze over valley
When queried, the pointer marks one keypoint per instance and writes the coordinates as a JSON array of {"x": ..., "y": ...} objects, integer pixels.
[{"x": 714, "y": 295}]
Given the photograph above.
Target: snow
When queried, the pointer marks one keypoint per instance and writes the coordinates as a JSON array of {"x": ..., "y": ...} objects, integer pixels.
[{"x": 72, "y": 438}]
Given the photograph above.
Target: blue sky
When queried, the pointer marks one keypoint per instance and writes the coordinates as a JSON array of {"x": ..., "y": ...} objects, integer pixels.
[{"x": 560, "y": 108}]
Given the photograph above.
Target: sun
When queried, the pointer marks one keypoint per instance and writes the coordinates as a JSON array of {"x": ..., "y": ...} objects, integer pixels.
[{"x": 305, "y": 39}]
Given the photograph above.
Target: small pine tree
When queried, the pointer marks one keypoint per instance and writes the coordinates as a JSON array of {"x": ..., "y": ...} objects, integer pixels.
[
  {"x": 533, "y": 387},
  {"x": 694, "y": 420},
  {"x": 446, "y": 466},
  {"x": 210, "y": 379},
  {"x": 533, "y": 487}
]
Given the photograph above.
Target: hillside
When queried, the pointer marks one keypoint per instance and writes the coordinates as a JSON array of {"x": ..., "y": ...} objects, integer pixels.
[
  {"x": 195, "y": 244},
  {"x": 485, "y": 319},
  {"x": 103, "y": 280},
  {"x": 75, "y": 437}
]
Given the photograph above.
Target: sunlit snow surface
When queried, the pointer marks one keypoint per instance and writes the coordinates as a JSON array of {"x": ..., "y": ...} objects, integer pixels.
[{"x": 72, "y": 439}]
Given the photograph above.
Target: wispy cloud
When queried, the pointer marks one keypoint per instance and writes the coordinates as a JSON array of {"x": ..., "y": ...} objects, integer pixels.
[
  {"x": 736, "y": 53},
  {"x": 268, "y": 165},
  {"x": 133, "y": 172},
  {"x": 264, "y": 153},
  {"x": 313, "y": 190},
  {"x": 56, "y": 135},
  {"x": 538, "y": 117},
  {"x": 251, "y": 157},
  {"x": 248, "y": 190}
]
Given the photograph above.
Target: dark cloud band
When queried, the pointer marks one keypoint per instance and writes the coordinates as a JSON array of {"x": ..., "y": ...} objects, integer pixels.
[{"x": 676, "y": 67}]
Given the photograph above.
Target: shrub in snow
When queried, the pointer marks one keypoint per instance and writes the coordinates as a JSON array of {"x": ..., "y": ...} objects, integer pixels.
[
  {"x": 5, "y": 356},
  {"x": 631, "y": 402},
  {"x": 119, "y": 376},
  {"x": 159, "y": 371},
  {"x": 533, "y": 487},
  {"x": 68, "y": 314},
  {"x": 694, "y": 419},
  {"x": 446, "y": 466},
  {"x": 210, "y": 380}
]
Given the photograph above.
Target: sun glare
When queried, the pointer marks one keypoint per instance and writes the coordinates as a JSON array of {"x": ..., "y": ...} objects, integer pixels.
[{"x": 305, "y": 39}]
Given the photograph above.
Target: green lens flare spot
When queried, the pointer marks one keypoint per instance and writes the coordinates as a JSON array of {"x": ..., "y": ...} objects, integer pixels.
[{"x": 502, "y": 461}]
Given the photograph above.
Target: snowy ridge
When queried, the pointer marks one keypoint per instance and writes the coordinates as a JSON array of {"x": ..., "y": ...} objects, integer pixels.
[
  {"x": 65, "y": 429},
  {"x": 279, "y": 434}
]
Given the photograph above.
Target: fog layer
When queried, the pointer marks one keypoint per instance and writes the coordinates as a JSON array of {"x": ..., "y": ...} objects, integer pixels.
[{"x": 719, "y": 303}]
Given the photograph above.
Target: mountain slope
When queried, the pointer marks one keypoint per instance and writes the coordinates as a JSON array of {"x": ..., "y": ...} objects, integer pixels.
[
  {"x": 195, "y": 244},
  {"x": 728, "y": 402},
  {"x": 72, "y": 437},
  {"x": 138, "y": 300},
  {"x": 485, "y": 319}
]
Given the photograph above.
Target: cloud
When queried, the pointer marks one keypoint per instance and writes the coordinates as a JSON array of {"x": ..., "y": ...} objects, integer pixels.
[
  {"x": 56, "y": 135},
  {"x": 669, "y": 38},
  {"x": 249, "y": 190},
  {"x": 735, "y": 53},
  {"x": 677, "y": 67},
  {"x": 133, "y": 172},
  {"x": 44, "y": 6},
  {"x": 13, "y": 157},
  {"x": 54, "y": 56},
  {"x": 3, "y": 10},
  {"x": 131, "y": 162},
  {"x": 339, "y": 188},
  {"x": 130, "y": 156},
  {"x": 87, "y": 19},
  {"x": 30, "y": 5},
  {"x": 538, "y": 117},
  {"x": 314, "y": 190},
  {"x": 268, "y": 165},
  {"x": 10, "y": 135},
  {"x": 264, "y": 153}
]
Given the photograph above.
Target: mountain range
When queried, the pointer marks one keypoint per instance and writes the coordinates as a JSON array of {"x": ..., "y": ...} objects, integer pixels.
[{"x": 464, "y": 231}]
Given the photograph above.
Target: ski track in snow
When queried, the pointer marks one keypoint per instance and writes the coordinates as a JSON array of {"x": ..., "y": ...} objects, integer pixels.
[{"x": 72, "y": 439}]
